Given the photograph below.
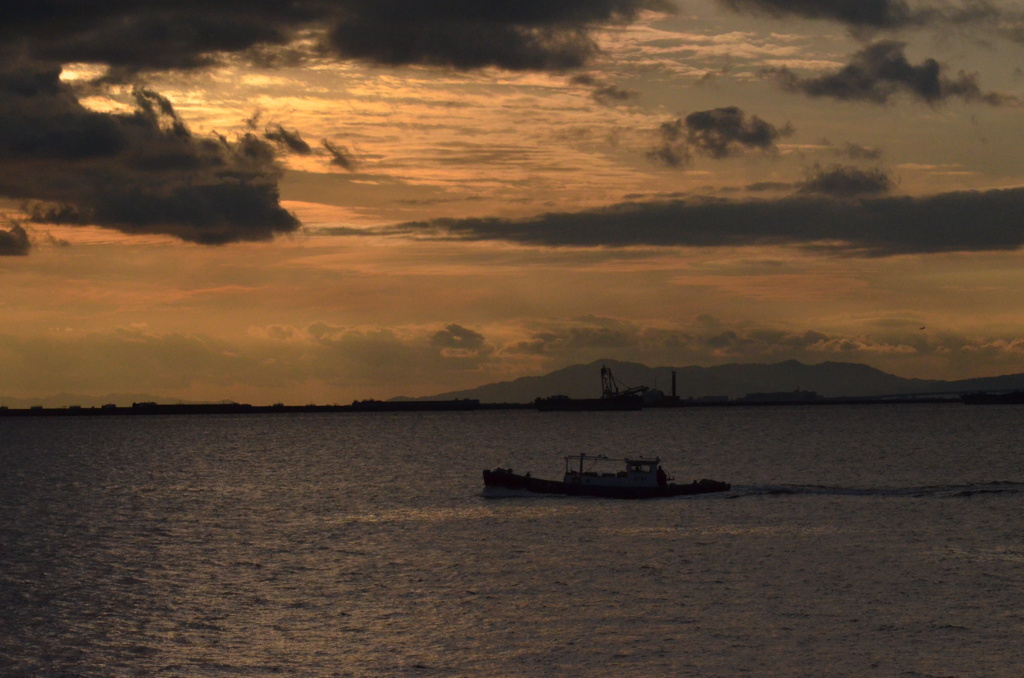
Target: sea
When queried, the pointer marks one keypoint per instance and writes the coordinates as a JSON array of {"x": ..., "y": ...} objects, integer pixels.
[{"x": 874, "y": 540}]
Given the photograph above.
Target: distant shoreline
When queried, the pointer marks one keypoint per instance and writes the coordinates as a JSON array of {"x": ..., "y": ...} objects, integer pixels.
[
  {"x": 243, "y": 408},
  {"x": 376, "y": 406}
]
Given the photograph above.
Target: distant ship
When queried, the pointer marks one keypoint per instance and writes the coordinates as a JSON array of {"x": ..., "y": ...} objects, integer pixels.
[
  {"x": 640, "y": 478},
  {"x": 612, "y": 398}
]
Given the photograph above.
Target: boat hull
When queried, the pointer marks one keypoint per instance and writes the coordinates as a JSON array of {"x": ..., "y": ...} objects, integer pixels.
[{"x": 505, "y": 479}]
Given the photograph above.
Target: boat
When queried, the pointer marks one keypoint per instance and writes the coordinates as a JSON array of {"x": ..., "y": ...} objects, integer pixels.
[{"x": 594, "y": 476}]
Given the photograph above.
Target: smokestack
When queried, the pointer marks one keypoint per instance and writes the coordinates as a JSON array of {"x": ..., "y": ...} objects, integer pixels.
[{"x": 673, "y": 383}]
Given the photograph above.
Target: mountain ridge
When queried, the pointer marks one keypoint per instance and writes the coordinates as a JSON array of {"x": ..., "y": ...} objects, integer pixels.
[{"x": 829, "y": 379}]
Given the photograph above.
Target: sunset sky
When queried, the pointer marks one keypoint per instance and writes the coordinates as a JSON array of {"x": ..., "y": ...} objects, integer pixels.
[{"x": 323, "y": 200}]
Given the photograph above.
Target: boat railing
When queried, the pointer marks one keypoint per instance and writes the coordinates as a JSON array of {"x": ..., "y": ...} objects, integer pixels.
[{"x": 604, "y": 457}]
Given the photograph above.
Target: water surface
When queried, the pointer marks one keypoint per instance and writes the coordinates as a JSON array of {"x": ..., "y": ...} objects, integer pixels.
[{"x": 875, "y": 540}]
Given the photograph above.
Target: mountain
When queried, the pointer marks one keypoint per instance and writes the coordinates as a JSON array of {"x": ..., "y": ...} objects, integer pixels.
[{"x": 829, "y": 379}]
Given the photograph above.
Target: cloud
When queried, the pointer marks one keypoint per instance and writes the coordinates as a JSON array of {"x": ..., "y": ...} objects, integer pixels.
[
  {"x": 399, "y": 354},
  {"x": 516, "y": 35},
  {"x": 869, "y": 15},
  {"x": 141, "y": 171},
  {"x": 324, "y": 364},
  {"x": 340, "y": 155},
  {"x": 869, "y": 226},
  {"x": 456, "y": 341},
  {"x": 132, "y": 37},
  {"x": 606, "y": 94},
  {"x": 707, "y": 340},
  {"x": 673, "y": 149},
  {"x": 457, "y": 336},
  {"x": 586, "y": 336},
  {"x": 859, "y": 152},
  {"x": 138, "y": 36},
  {"x": 880, "y": 71},
  {"x": 859, "y": 13},
  {"x": 113, "y": 360},
  {"x": 144, "y": 172},
  {"x": 717, "y": 133},
  {"x": 288, "y": 139},
  {"x": 720, "y": 131},
  {"x": 603, "y": 92},
  {"x": 846, "y": 182},
  {"x": 14, "y": 241}
]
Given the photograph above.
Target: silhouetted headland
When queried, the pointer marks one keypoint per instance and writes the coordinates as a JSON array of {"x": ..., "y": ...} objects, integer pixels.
[
  {"x": 151, "y": 408},
  {"x": 373, "y": 406},
  {"x": 781, "y": 384}
]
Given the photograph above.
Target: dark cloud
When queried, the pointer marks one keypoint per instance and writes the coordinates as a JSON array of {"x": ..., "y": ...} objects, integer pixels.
[
  {"x": 880, "y": 71},
  {"x": 871, "y": 15},
  {"x": 458, "y": 337},
  {"x": 608, "y": 94},
  {"x": 859, "y": 13},
  {"x": 340, "y": 155},
  {"x": 139, "y": 172},
  {"x": 144, "y": 36},
  {"x": 859, "y": 152},
  {"x": 720, "y": 131},
  {"x": 585, "y": 79},
  {"x": 766, "y": 186},
  {"x": 288, "y": 139},
  {"x": 14, "y": 241},
  {"x": 579, "y": 336},
  {"x": 603, "y": 92},
  {"x": 461, "y": 344},
  {"x": 717, "y": 133},
  {"x": 138, "y": 36},
  {"x": 866, "y": 18},
  {"x": 517, "y": 35},
  {"x": 144, "y": 172},
  {"x": 673, "y": 150},
  {"x": 870, "y": 226},
  {"x": 55, "y": 241},
  {"x": 846, "y": 182}
]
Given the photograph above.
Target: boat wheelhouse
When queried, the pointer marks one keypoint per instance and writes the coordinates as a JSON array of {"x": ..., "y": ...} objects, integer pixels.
[{"x": 589, "y": 469}]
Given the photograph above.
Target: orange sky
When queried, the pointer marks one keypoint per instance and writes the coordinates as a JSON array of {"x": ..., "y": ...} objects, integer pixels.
[{"x": 732, "y": 182}]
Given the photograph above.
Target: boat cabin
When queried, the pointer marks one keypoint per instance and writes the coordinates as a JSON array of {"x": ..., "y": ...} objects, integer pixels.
[{"x": 589, "y": 469}]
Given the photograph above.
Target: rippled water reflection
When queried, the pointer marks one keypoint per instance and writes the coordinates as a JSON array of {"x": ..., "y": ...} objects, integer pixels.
[{"x": 857, "y": 541}]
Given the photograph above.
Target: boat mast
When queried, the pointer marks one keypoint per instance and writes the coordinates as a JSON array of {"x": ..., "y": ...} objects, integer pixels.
[{"x": 610, "y": 387}]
